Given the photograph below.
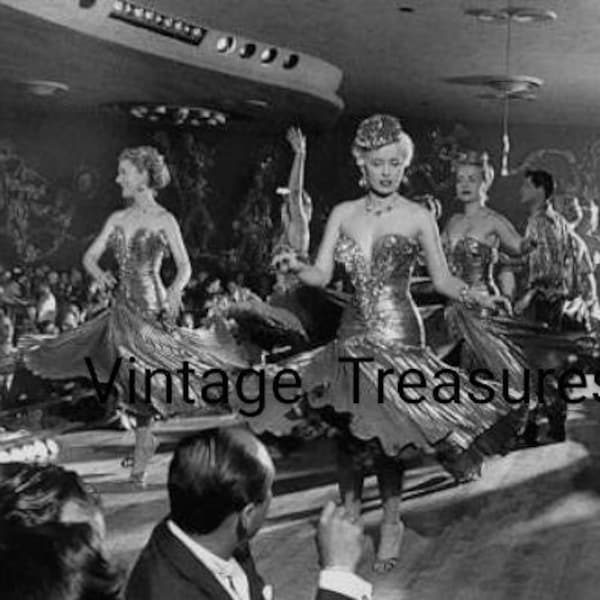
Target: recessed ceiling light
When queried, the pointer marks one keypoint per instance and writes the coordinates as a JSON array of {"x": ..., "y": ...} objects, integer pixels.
[
  {"x": 256, "y": 102},
  {"x": 40, "y": 87}
]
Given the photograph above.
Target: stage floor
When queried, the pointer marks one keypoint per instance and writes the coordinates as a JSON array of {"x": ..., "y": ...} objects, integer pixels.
[{"x": 530, "y": 528}]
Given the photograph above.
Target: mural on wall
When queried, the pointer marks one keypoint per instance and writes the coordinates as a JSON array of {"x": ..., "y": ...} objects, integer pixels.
[
  {"x": 190, "y": 162},
  {"x": 34, "y": 218},
  {"x": 574, "y": 175},
  {"x": 253, "y": 228}
]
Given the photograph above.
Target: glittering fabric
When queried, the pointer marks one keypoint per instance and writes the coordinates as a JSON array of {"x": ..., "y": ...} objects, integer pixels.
[
  {"x": 551, "y": 263},
  {"x": 133, "y": 329},
  {"x": 509, "y": 347},
  {"x": 383, "y": 326},
  {"x": 378, "y": 131}
]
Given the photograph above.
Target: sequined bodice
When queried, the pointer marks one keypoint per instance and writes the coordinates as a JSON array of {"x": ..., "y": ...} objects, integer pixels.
[
  {"x": 140, "y": 259},
  {"x": 472, "y": 261},
  {"x": 383, "y": 306}
]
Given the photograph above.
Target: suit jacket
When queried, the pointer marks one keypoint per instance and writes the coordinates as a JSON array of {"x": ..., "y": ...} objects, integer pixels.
[{"x": 167, "y": 570}]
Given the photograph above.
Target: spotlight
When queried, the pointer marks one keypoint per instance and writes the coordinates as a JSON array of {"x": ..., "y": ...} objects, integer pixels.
[
  {"x": 291, "y": 61},
  {"x": 226, "y": 44},
  {"x": 247, "y": 50},
  {"x": 268, "y": 55}
]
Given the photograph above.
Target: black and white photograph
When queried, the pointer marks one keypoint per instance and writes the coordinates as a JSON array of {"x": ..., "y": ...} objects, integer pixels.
[{"x": 299, "y": 300}]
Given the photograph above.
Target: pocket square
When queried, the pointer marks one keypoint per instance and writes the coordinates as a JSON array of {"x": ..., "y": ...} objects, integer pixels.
[{"x": 267, "y": 592}]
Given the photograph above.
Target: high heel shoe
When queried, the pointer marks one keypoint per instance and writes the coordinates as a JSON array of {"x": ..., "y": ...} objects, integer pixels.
[{"x": 390, "y": 542}]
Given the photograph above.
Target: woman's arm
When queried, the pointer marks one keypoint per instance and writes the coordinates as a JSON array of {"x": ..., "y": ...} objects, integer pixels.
[
  {"x": 510, "y": 239},
  {"x": 319, "y": 274},
  {"x": 182, "y": 263},
  {"x": 179, "y": 253},
  {"x": 443, "y": 281},
  {"x": 95, "y": 252}
]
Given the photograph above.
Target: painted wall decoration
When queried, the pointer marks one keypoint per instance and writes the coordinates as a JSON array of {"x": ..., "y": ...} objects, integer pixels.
[{"x": 34, "y": 217}]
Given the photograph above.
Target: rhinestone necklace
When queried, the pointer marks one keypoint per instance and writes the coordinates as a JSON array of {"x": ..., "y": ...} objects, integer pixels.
[{"x": 377, "y": 208}]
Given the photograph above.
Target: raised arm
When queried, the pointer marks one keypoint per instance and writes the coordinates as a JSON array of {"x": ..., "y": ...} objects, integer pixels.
[
  {"x": 97, "y": 248},
  {"x": 443, "y": 281}
]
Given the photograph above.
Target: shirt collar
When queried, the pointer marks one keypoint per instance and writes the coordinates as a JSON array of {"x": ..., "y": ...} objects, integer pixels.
[{"x": 214, "y": 563}]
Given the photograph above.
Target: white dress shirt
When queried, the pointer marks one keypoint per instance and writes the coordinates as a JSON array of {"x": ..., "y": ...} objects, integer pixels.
[
  {"x": 228, "y": 573},
  {"x": 232, "y": 577}
]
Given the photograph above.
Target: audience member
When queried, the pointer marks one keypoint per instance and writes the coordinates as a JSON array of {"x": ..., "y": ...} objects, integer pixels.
[{"x": 220, "y": 488}]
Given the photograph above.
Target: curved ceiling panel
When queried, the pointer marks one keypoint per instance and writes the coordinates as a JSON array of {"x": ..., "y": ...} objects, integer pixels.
[{"x": 112, "y": 51}]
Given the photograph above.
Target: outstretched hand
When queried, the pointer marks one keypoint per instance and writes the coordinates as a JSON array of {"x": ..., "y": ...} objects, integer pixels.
[
  {"x": 297, "y": 140},
  {"x": 106, "y": 280},
  {"x": 503, "y": 304},
  {"x": 286, "y": 261}
]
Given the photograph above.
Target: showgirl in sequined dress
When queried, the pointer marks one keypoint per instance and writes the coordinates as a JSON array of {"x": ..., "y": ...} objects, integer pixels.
[
  {"x": 136, "y": 332},
  {"x": 510, "y": 347},
  {"x": 377, "y": 238}
]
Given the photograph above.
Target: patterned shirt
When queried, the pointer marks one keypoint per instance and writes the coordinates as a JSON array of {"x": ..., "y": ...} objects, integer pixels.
[{"x": 559, "y": 263}]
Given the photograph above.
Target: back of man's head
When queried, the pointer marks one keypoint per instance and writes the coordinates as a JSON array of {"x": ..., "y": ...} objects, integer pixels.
[{"x": 216, "y": 473}]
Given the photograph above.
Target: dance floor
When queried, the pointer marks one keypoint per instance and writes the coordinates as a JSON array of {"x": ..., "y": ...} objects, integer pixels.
[{"x": 529, "y": 528}]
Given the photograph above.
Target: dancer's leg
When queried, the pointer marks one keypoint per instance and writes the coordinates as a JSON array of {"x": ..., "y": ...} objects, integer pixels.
[
  {"x": 145, "y": 447},
  {"x": 350, "y": 478},
  {"x": 390, "y": 476}
]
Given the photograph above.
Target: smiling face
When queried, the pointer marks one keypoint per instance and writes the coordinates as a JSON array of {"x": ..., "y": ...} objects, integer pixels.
[
  {"x": 384, "y": 169},
  {"x": 470, "y": 183},
  {"x": 130, "y": 179}
]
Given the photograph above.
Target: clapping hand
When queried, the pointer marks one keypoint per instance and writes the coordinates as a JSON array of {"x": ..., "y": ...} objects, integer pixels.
[{"x": 340, "y": 538}]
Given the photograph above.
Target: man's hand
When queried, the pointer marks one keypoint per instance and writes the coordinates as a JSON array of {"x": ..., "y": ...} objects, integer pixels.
[{"x": 340, "y": 538}]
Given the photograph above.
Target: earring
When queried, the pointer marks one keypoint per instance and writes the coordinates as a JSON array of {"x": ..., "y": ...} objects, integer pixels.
[{"x": 362, "y": 182}]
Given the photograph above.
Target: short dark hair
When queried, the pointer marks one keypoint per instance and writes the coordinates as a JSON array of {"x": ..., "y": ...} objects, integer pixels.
[
  {"x": 35, "y": 494},
  {"x": 56, "y": 561},
  {"x": 212, "y": 475},
  {"x": 541, "y": 178}
]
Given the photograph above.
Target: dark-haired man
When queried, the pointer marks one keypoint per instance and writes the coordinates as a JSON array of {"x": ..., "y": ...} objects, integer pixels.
[
  {"x": 219, "y": 491},
  {"x": 559, "y": 276}
]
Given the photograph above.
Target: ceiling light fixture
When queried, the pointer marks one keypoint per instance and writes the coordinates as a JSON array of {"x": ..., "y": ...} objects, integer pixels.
[
  {"x": 178, "y": 116},
  {"x": 44, "y": 88},
  {"x": 509, "y": 87}
]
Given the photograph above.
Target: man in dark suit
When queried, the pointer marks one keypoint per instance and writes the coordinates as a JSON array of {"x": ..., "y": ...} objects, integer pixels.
[{"x": 220, "y": 483}]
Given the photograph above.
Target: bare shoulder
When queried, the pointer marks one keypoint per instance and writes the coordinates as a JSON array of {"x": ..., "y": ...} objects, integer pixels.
[
  {"x": 454, "y": 219},
  {"x": 166, "y": 218},
  {"x": 344, "y": 209},
  {"x": 415, "y": 212},
  {"x": 116, "y": 217},
  {"x": 498, "y": 218}
]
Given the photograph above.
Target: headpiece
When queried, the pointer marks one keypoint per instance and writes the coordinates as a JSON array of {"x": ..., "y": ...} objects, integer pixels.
[{"x": 378, "y": 131}]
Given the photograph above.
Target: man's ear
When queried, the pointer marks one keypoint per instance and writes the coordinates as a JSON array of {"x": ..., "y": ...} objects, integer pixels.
[{"x": 245, "y": 519}]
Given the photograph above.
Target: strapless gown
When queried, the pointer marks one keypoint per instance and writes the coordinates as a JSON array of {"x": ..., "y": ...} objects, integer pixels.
[
  {"x": 510, "y": 347},
  {"x": 383, "y": 327},
  {"x": 135, "y": 330}
]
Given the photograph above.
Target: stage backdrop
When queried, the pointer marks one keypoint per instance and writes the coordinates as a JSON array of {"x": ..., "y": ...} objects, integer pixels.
[{"x": 57, "y": 176}]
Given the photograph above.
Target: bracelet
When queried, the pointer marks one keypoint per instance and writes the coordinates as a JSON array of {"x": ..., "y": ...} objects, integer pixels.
[{"x": 463, "y": 295}]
